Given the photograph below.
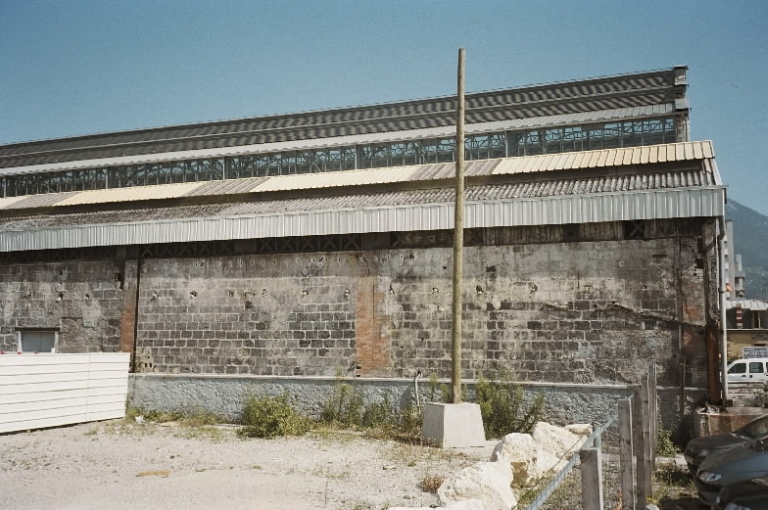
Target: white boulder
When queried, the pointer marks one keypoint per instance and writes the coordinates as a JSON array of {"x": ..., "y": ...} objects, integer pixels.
[
  {"x": 521, "y": 452},
  {"x": 530, "y": 463},
  {"x": 557, "y": 440},
  {"x": 488, "y": 482},
  {"x": 547, "y": 464}
]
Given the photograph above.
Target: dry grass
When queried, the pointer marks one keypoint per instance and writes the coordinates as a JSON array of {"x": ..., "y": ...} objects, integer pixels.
[{"x": 430, "y": 483}]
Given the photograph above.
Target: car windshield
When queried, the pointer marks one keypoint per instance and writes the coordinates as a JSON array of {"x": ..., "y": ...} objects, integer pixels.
[{"x": 755, "y": 429}]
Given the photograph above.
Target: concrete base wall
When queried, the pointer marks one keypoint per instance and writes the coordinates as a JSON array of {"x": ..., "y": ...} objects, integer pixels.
[{"x": 225, "y": 395}]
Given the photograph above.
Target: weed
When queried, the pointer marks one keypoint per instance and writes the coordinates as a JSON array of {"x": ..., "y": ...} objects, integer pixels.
[
  {"x": 669, "y": 473},
  {"x": 270, "y": 417},
  {"x": 379, "y": 414},
  {"x": 344, "y": 407},
  {"x": 329, "y": 473},
  {"x": 380, "y": 420},
  {"x": 430, "y": 483},
  {"x": 665, "y": 447},
  {"x": 503, "y": 407},
  {"x": 187, "y": 416}
]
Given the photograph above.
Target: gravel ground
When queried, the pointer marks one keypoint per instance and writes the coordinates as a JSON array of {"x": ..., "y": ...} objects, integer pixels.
[{"x": 120, "y": 465}]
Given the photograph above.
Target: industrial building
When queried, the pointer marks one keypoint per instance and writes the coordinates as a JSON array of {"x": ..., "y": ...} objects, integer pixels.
[{"x": 311, "y": 245}]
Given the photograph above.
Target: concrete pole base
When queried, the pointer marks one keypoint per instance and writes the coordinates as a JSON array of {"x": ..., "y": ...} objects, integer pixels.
[{"x": 453, "y": 425}]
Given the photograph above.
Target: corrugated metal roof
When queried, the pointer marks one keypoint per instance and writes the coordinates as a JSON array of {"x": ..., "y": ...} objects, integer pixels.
[
  {"x": 492, "y": 192},
  {"x": 562, "y": 162},
  {"x": 226, "y": 187},
  {"x": 575, "y": 96},
  {"x": 643, "y": 155},
  {"x": 354, "y": 139},
  {"x": 652, "y": 204},
  {"x": 103, "y": 196},
  {"x": 38, "y": 201},
  {"x": 9, "y": 201},
  {"x": 748, "y": 304}
]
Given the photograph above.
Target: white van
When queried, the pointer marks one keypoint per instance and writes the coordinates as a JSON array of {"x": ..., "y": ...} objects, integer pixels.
[{"x": 748, "y": 370}]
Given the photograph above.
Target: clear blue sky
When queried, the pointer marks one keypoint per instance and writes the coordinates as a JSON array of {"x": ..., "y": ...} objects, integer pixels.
[{"x": 79, "y": 67}]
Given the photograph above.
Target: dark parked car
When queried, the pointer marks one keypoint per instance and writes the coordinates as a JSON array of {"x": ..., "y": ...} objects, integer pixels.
[
  {"x": 749, "y": 495},
  {"x": 732, "y": 466},
  {"x": 700, "y": 448}
]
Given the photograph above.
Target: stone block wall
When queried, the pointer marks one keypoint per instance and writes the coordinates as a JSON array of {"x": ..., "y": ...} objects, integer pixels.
[
  {"x": 82, "y": 300},
  {"x": 594, "y": 310},
  {"x": 292, "y": 314},
  {"x": 579, "y": 304}
]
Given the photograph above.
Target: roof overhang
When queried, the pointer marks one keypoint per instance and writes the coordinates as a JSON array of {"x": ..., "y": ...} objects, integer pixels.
[{"x": 557, "y": 210}]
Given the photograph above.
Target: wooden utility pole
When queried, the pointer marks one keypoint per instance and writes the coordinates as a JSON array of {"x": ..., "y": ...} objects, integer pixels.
[{"x": 458, "y": 236}]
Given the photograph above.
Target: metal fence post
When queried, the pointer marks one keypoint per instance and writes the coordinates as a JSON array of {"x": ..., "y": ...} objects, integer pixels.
[
  {"x": 641, "y": 492},
  {"x": 653, "y": 412},
  {"x": 591, "y": 479},
  {"x": 627, "y": 472}
]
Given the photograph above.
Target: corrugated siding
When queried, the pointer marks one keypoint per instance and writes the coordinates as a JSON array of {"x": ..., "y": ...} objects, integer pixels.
[
  {"x": 619, "y": 206},
  {"x": 49, "y": 390},
  {"x": 603, "y": 115}
]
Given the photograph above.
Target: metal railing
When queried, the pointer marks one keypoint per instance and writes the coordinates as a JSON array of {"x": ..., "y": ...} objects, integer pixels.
[{"x": 595, "y": 439}]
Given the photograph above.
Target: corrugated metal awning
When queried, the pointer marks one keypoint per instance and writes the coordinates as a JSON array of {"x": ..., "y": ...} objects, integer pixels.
[
  {"x": 555, "y": 210},
  {"x": 473, "y": 193}
]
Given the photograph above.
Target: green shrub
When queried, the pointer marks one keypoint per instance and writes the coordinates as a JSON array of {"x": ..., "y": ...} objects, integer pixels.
[
  {"x": 503, "y": 407},
  {"x": 270, "y": 417}
]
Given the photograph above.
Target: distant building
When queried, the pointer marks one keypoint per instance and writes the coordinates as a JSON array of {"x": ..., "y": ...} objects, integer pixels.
[
  {"x": 747, "y": 319},
  {"x": 312, "y": 244}
]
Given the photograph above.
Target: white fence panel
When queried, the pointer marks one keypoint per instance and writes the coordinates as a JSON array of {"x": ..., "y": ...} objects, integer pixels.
[{"x": 47, "y": 390}]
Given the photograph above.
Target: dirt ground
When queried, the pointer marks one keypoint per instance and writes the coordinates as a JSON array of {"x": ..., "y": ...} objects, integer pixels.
[{"x": 123, "y": 465}]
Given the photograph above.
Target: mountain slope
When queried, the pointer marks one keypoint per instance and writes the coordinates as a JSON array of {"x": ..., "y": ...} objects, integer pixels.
[{"x": 750, "y": 232}]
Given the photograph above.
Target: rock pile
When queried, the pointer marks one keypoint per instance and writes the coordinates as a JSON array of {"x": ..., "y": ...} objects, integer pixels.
[{"x": 518, "y": 461}]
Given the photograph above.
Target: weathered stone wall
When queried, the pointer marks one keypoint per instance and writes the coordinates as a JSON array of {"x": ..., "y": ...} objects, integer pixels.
[
  {"x": 594, "y": 310},
  {"x": 573, "y": 304},
  {"x": 82, "y": 300}
]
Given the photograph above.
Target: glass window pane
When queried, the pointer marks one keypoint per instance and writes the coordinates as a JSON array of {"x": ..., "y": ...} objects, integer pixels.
[{"x": 38, "y": 341}]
